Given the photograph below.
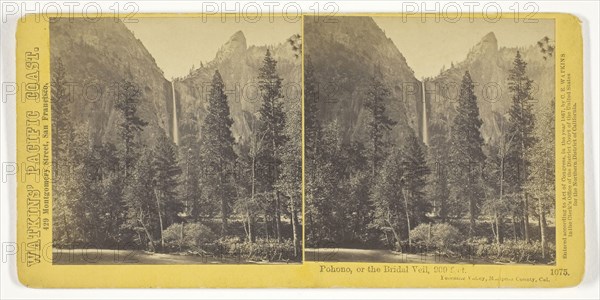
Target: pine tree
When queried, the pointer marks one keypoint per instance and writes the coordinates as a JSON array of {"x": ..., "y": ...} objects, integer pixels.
[
  {"x": 438, "y": 158},
  {"x": 522, "y": 124},
  {"x": 379, "y": 123},
  {"x": 355, "y": 184},
  {"x": 72, "y": 210},
  {"x": 415, "y": 178},
  {"x": 217, "y": 150},
  {"x": 290, "y": 177},
  {"x": 541, "y": 174},
  {"x": 324, "y": 190},
  {"x": 190, "y": 161},
  {"x": 391, "y": 212},
  {"x": 61, "y": 136},
  {"x": 466, "y": 150},
  {"x": 312, "y": 125},
  {"x": 166, "y": 180},
  {"x": 140, "y": 200},
  {"x": 498, "y": 203},
  {"x": 132, "y": 124},
  {"x": 313, "y": 153},
  {"x": 272, "y": 117},
  {"x": 61, "y": 122}
]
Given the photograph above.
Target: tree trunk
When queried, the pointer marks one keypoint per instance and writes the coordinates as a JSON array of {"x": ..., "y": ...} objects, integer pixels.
[
  {"x": 396, "y": 236},
  {"x": 543, "y": 233},
  {"x": 497, "y": 221},
  {"x": 162, "y": 240},
  {"x": 407, "y": 216},
  {"x": 277, "y": 216},
  {"x": 267, "y": 225},
  {"x": 250, "y": 234},
  {"x": 526, "y": 218},
  {"x": 253, "y": 191},
  {"x": 472, "y": 204},
  {"x": 223, "y": 203},
  {"x": 181, "y": 237},
  {"x": 514, "y": 226},
  {"x": 148, "y": 235},
  {"x": 543, "y": 212},
  {"x": 294, "y": 229}
]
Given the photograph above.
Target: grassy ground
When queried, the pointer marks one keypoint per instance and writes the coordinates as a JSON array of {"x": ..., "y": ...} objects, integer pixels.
[{"x": 137, "y": 257}]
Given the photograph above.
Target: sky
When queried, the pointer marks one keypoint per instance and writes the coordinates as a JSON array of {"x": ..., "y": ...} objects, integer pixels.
[
  {"x": 178, "y": 43},
  {"x": 427, "y": 46}
]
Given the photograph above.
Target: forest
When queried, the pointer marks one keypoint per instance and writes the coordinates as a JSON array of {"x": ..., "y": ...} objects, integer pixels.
[
  {"x": 210, "y": 194},
  {"x": 459, "y": 196}
]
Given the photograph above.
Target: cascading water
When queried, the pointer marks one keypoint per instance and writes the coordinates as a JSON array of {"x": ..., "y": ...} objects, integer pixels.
[
  {"x": 424, "y": 124},
  {"x": 175, "y": 121}
]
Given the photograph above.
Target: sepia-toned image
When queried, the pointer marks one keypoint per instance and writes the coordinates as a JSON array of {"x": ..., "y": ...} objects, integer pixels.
[
  {"x": 176, "y": 140},
  {"x": 312, "y": 150},
  {"x": 429, "y": 141}
]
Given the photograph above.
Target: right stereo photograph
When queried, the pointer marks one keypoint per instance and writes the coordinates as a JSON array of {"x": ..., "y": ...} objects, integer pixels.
[{"x": 429, "y": 142}]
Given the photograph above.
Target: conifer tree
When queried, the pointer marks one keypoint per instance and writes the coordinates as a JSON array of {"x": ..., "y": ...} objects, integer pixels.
[
  {"x": 61, "y": 123},
  {"x": 415, "y": 179},
  {"x": 379, "y": 123},
  {"x": 217, "y": 150},
  {"x": 132, "y": 124},
  {"x": 466, "y": 150},
  {"x": 166, "y": 179},
  {"x": 290, "y": 177},
  {"x": 190, "y": 162},
  {"x": 313, "y": 135},
  {"x": 272, "y": 117},
  {"x": 140, "y": 201},
  {"x": 438, "y": 158},
  {"x": 312, "y": 125},
  {"x": 540, "y": 183},
  {"x": 522, "y": 124},
  {"x": 389, "y": 199},
  {"x": 61, "y": 136}
]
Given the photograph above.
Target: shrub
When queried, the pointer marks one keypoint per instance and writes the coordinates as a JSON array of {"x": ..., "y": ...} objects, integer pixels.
[
  {"x": 442, "y": 235},
  {"x": 517, "y": 252},
  {"x": 260, "y": 250},
  {"x": 195, "y": 237}
]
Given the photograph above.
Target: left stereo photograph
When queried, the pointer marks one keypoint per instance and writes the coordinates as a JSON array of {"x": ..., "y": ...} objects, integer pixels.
[{"x": 176, "y": 140}]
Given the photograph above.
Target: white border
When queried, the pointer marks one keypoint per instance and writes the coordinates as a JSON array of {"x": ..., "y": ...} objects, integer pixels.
[{"x": 587, "y": 11}]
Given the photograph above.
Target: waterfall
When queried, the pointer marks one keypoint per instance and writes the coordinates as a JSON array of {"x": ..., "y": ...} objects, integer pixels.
[
  {"x": 424, "y": 125},
  {"x": 175, "y": 121}
]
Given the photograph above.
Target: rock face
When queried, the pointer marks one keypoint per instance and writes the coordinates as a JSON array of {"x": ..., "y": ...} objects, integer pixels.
[
  {"x": 346, "y": 53},
  {"x": 98, "y": 57},
  {"x": 239, "y": 66},
  {"x": 489, "y": 67}
]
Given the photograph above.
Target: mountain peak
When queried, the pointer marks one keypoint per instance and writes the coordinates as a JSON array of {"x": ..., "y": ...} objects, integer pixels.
[
  {"x": 487, "y": 46},
  {"x": 488, "y": 43},
  {"x": 490, "y": 37},
  {"x": 238, "y": 38},
  {"x": 235, "y": 45}
]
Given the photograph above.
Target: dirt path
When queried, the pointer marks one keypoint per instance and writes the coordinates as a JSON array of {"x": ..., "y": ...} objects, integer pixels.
[
  {"x": 370, "y": 255},
  {"x": 137, "y": 257}
]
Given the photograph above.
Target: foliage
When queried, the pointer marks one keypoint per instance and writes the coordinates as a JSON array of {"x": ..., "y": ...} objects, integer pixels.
[
  {"x": 261, "y": 250},
  {"x": 466, "y": 151},
  {"x": 216, "y": 150},
  {"x": 516, "y": 252},
  {"x": 440, "y": 235},
  {"x": 272, "y": 124},
  {"x": 380, "y": 123},
  {"x": 195, "y": 237},
  {"x": 141, "y": 190},
  {"x": 132, "y": 124}
]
